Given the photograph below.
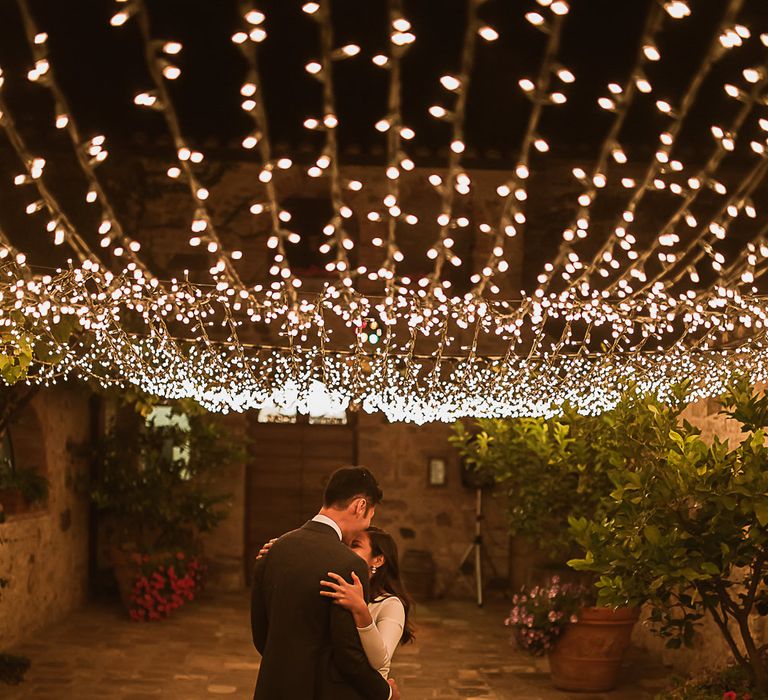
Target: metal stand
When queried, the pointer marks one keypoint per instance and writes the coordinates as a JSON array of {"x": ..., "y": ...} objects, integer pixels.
[{"x": 476, "y": 551}]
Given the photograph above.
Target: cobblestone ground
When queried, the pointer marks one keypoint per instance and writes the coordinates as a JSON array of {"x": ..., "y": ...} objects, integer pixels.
[{"x": 205, "y": 651}]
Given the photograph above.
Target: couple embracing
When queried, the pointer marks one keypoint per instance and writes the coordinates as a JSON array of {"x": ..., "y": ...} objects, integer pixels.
[{"x": 328, "y": 608}]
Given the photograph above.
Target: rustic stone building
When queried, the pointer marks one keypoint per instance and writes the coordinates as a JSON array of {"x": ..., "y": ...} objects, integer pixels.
[
  {"x": 44, "y": 553},
  {"x": 48, "y": 553}
]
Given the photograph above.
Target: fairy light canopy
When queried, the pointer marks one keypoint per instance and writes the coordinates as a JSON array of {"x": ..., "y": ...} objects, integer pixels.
[{"x": 629, "y": 147}]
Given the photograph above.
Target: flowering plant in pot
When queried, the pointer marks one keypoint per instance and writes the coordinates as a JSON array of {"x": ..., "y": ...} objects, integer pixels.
[
  {"x": 155, "y": 490},
  {"x": 540, "y": 614},
  {"x": 164, "y": 584}
]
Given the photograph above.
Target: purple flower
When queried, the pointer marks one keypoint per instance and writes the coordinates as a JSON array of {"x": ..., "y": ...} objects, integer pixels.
[{"x": 540, "y": 614}]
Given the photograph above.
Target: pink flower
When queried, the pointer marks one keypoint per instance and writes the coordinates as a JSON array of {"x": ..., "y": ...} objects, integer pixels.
[{"x": 729, "y": 695}]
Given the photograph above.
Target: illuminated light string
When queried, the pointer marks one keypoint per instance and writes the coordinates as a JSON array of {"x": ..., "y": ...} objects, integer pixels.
[
  {"x": 619, "y": 104},
  {"x": 659, "y": 287},
  {"x": 664, "y": 246},
  {"x": 89, "y": 154},
  {"x": 253, "y": 105},
  {"x": 667, "y": 139},
  {"x": 440, "y": 251},
  {"x": 328, "y": 163},
  {"x": 191, "y": 345},
  {"x": 719, "y": 226},
  {"x": 703, "y": 176},
  {"x": 222, "y": 381},
  {"x": 713, "y": 227},
  {"x": 720, "y": 43},
  {"x": 514, "y": 192},
  {"x": 202, "y": 225},
  {"x": 58, "y": 223},
  {"x": 747, "y": 269},
  {"x": 400, "y": 38},
  {"x": 201, "y": 307}
]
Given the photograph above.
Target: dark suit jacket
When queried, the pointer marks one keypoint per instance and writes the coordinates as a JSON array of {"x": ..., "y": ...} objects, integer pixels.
[{"x": 310, "y": 647}]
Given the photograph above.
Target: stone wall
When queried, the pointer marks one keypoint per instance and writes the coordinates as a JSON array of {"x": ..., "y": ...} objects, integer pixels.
[
  {"x": 45, "y": 555},
  {"x": 225, "y": 546},
  {"x": 438, "y": 519}
]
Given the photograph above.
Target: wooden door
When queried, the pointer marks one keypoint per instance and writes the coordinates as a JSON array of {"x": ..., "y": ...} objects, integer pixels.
[{"x": 288, "y": 470}]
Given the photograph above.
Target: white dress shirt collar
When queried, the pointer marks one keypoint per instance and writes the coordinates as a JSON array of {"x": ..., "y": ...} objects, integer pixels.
[{"x": 325, "y": 520}]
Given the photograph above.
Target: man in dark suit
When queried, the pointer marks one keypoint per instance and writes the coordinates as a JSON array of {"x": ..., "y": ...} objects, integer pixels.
[{"x": 310, "y": 648}]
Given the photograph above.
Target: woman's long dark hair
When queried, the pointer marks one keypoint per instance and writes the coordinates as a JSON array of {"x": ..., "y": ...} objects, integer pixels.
[{"x": 387, "y": 579}]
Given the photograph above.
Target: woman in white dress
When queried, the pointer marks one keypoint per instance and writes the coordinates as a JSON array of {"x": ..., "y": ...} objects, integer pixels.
[{"x": 383, "y": 624}]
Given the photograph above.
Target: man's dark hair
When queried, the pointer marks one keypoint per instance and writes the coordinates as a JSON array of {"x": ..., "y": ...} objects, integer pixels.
[{"x": 348, "y": 483}]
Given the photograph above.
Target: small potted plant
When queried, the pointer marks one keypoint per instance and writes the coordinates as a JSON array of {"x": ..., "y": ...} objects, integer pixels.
[
  {"x": 155, "y": 491},
  {"x": 20, "y": 488}
]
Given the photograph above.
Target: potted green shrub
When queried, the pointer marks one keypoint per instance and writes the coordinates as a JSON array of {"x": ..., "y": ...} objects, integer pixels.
[
  {"x": 155, "y": 490},
  {"x": 559, "y": 470},
  {"x": 686, "y": 531}
]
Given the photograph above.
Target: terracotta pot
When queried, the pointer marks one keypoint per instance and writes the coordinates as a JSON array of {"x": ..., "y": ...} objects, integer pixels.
[
  {"x": 125, "y": 566},
  {"x": 588, "y": 655},
  {"x": 13, "y": 502}
]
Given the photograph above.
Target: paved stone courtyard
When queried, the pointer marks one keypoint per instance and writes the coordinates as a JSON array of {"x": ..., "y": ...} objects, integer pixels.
[{"x": 205, "y": 651}]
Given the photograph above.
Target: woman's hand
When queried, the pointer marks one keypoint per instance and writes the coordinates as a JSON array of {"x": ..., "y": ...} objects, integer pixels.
[
  {"x": 265, "y": 548},
  {"x": 349, "y": 596}
]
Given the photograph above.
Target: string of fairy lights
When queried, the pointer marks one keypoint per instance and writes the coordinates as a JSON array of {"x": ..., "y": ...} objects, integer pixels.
[{"x": 630, "y": 310}]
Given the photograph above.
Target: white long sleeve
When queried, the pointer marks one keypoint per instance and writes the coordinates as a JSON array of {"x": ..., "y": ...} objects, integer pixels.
[{"x": 381, "y": 637}]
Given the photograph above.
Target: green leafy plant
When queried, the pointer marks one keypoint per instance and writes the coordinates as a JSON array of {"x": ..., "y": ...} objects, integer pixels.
[
  {"x": 29, "y": 341},
  {"x": 537, "y": 462},
  {"x": 730, "y": 683},
  {"x": 686, "y": 529},
  {"x": 559, "y": 468},
  {"x": 156, "y": 482},
  {"x": 31, "y": 484}
]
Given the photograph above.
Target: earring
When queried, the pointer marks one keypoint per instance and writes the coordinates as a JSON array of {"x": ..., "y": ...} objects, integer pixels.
[{"x": 374, "y": 569}]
